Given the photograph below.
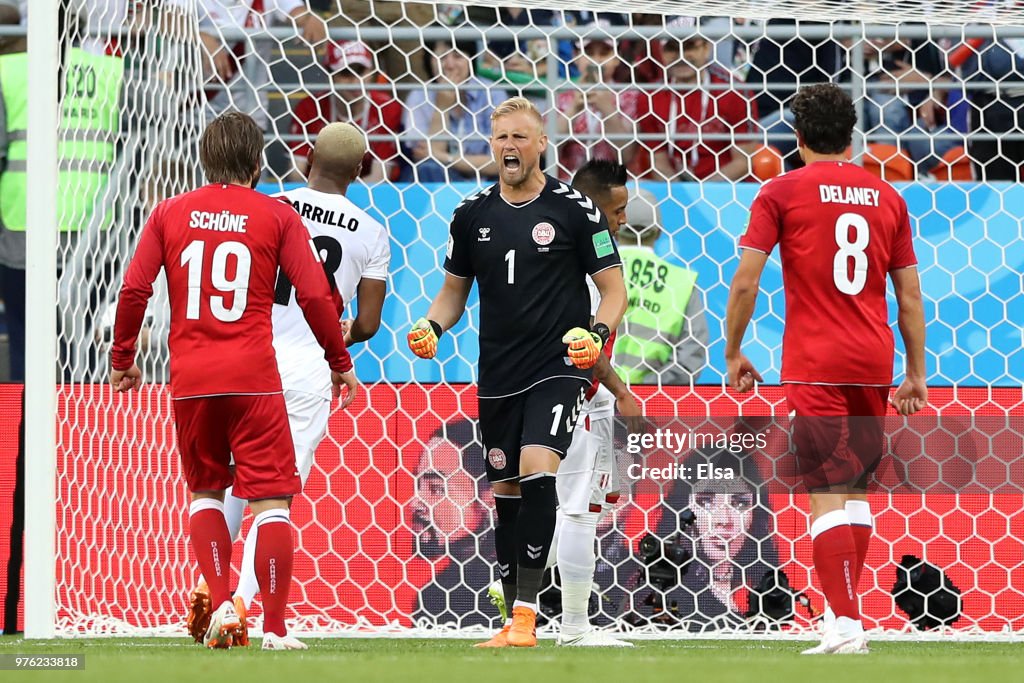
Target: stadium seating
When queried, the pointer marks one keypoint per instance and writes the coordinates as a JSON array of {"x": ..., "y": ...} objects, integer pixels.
[
  {"x": 955, "y": 165},
  {"x": 888, "y": 163}
]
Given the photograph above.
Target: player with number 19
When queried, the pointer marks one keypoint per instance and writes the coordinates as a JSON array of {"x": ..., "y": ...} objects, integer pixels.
[
  {"x": 355, "y": 252},
  {"x": 530, "y": 241},
  {"x": 841, "y": 232},
  {"x": 220, "y": 247}
]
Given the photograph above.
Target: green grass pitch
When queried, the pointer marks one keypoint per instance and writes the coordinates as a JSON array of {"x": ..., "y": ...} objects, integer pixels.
[{"x": 148, "y": 660}]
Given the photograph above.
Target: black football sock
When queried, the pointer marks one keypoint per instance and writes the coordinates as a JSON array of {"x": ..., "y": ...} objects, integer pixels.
[
  {"x": 505, "y": 543},
  {"x": 536, "y": 529}
]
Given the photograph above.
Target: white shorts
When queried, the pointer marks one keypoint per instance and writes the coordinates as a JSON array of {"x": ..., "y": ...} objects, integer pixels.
[
  {"x": 588, "y": 476},
  {"x": 307, "y": 417}
]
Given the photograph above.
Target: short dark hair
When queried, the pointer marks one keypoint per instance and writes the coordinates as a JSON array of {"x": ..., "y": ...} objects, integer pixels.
[
  {"x": 597, "y": 177},
  {"x": 825, "y": 117},
  {"x": 231, "y": 148}
]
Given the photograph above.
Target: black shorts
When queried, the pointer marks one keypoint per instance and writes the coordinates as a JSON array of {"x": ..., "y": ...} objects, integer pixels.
[{"x": 543, "y": 415}]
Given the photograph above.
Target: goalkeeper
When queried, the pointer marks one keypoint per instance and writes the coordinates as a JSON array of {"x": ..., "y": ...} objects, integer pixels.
[{"x": 530, "y": 241}]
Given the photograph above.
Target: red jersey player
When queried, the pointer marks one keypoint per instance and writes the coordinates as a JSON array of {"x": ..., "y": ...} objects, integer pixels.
[
  {"x": 220, "y": 247},
  {"x": 840, "y": 232}
]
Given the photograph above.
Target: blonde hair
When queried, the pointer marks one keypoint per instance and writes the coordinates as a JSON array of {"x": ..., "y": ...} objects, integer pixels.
[
  {"x": 514, "y": 105},
  {"x": 339, "y": 147}
]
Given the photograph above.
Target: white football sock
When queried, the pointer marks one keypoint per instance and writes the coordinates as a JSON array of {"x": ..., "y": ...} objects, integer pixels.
[
  {"x": 828, "y": 619},
  {"x": 576, "y": 562},
  {"x": 553, "y": 551},
  {"x": 234, "y": 510},
  {"x": 248, "y": 586},
  {"x": 859, "y": 512}
]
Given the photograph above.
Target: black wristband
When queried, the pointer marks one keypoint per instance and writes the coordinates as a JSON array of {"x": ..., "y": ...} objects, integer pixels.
[
  {"x": 437, "y": 329},
  {"x": 602, "y": 331}
]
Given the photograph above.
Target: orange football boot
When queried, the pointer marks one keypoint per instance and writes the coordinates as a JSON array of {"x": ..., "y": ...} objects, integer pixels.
[
  {"x": 199, "y": 610},
  {"x": 241, "y": 634},
  {"x": 524, "y": 628},
  {"x": 500, "y": 639}
]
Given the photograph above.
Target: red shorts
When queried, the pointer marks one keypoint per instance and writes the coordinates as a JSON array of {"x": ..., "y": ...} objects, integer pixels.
[
  {"x": 837, "y": 432},
  {"x": 252, "y": 428}
]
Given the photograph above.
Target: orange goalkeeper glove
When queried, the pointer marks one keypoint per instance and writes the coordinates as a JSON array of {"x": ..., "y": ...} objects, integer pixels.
[
  {"x": 423, "y": 338},
  {"x": 585, "y": 346}
]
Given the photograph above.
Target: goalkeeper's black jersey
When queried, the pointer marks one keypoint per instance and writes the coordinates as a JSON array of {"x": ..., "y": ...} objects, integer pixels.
[{"x": 531, "y": 262}]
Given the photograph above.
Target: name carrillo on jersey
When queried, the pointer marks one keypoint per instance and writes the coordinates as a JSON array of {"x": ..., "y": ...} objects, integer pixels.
[{"x": 352, "y": 245}]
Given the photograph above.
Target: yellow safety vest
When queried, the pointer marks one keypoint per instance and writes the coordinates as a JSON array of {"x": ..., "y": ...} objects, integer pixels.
[
  {"x": 658, "y": 292},
  {"x": 88, "y": 134}
]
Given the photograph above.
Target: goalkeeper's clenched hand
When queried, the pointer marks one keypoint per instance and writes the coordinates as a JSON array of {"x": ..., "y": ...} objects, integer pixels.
[
  {"x": 584, "y": 347},
  {"x": 423, "y": 338}
]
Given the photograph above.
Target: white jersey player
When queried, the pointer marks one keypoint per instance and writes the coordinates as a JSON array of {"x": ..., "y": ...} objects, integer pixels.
[
  {"x": 354, "y": 248},
  {"x": 587, "y": 479},
  {"x": 356, "y": 253}
]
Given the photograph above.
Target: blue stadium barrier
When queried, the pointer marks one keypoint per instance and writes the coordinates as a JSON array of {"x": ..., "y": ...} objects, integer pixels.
[{"x": 968, "y": 239}]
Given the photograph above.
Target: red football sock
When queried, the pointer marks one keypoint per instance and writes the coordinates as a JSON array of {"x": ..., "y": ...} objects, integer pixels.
[
  {"x": 859, "y": 513},
  {"x": 274, "y": 550},
  {"x": 861, "y": 541},
  {"x": 211, "y": 542},
  {"x": 835, "y": 560}
]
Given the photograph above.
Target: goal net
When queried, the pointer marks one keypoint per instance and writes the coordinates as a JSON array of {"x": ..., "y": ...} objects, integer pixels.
[{"x": 394, "y": 528}]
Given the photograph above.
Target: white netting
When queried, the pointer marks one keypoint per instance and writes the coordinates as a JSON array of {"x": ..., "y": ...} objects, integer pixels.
[
  {"x": 939, "y": 11},
  {"x": 393, "y": 527}
]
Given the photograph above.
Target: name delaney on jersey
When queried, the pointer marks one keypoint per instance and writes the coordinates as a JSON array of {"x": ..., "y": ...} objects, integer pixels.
[{"x": 856, "y": 196}]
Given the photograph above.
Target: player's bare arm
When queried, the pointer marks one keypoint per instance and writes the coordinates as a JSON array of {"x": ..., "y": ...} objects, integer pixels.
[
  {"x": 912, "y": 394},
  {"x": 370, "y": 301},
  {"x": 446, "y": 310},
  {"x": 585, "y": 346},
  {"x": 612, "y": 286},
  {"x": 131, "y": 306},
  {"x": 450, "y": 302},
  {"x": 742, "y": 296},
  {"x": 625, "y": 402}
]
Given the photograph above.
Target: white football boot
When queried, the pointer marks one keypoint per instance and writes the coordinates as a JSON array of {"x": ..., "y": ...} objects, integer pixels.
[
  {"x": 592, "y": 638},
  {"x": 224, "y": 623},
  {"x": 272, "y": 641},
  {"x": 834, "y": 644}
]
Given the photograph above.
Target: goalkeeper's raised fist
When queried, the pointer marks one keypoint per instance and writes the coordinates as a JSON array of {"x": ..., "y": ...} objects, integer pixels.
[
  {"x": 584, "y": 347},
  {"x": 423, "y": 338}
]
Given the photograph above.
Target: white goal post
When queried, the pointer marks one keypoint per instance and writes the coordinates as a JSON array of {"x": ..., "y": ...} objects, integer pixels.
[{"x": 41, "y": 326}]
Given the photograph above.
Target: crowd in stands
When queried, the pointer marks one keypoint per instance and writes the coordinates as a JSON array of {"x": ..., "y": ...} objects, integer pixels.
[
  {"x": 671, "y": 97},
  {"x": 693, "y": 102}
]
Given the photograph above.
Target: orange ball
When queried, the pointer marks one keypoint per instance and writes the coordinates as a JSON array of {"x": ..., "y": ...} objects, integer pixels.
[{"x": 766, "y": 163}]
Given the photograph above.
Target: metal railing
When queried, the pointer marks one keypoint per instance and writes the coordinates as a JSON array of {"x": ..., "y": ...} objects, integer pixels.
[{"x": 861, "y": 84}]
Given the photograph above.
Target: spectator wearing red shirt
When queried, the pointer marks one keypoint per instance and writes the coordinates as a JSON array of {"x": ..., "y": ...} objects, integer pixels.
[
  {"x": 688, "y": 110},
  {"x": 591, "y": 110},
  {"x": 375, "y": 112}
]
